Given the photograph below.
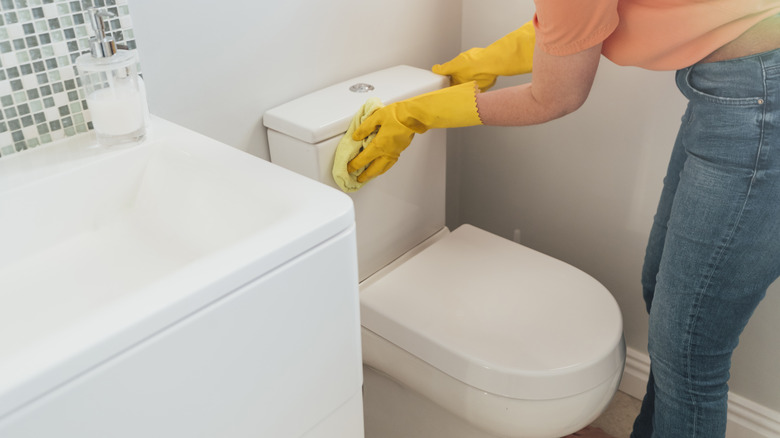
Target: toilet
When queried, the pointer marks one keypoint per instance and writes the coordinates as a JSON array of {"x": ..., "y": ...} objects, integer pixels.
[{"x": 465, "y": 334}]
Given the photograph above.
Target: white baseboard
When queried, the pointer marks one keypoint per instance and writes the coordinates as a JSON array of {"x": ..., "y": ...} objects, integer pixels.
[
  {"x": 635, "y": 374},
  {"x": 746, "y": 419}
]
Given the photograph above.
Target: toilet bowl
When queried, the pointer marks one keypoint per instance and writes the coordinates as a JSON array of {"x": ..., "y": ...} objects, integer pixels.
[
  {"x": 507, "y": 340},
  {"x": 465, "y": 334}
]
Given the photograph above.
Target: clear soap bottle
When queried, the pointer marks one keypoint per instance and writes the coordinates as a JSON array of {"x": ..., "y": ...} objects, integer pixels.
[{"x": 115, "y": 95}]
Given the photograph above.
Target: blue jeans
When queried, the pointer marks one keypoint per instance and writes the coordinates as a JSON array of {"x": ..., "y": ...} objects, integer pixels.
[{"x": 715, "y": 243}]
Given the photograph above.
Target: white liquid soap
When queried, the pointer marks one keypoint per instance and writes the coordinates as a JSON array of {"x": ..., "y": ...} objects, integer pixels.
[{"x": 116, "y": 111}]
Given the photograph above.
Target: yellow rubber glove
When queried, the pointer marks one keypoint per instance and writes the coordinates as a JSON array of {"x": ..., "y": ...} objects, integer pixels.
[
  {"x": 398, "y": 122},
  {"x": 511, "y": 55}
]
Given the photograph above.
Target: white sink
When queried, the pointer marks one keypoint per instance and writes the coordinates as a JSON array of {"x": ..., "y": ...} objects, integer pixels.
[{"x": 101, "y": 249}]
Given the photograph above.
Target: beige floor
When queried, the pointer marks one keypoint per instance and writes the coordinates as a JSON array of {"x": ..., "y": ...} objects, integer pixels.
[{"x": 619, "y": 417}]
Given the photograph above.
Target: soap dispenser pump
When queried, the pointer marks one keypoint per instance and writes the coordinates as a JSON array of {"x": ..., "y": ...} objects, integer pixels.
[{"x": 114, "y": 93}]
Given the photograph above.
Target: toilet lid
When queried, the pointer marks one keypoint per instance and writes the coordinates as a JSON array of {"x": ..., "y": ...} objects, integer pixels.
[{"x": 499, "y": 316}]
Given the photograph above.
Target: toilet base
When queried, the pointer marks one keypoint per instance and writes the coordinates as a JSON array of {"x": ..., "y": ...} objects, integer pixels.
[{"x": 392, "y": 409}]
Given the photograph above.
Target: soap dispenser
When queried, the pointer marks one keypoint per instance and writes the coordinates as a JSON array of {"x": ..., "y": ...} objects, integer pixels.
[{"x": 114, "y": 93}]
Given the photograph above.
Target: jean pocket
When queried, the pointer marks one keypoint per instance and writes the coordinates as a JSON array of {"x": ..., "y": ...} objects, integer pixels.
[
  {"x": 773, "y": 72},
  {"x": 705, "y": 82}
]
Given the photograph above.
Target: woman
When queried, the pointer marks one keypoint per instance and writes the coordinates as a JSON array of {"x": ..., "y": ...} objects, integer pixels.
[{"x": 715, "y": 244}]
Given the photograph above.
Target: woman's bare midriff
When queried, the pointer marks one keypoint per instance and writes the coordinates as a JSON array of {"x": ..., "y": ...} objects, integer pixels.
[{"x": 762, "y": 37}]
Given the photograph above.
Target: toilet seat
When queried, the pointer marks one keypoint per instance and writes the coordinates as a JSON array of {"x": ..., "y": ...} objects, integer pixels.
[{"x": 499, "y": 317}]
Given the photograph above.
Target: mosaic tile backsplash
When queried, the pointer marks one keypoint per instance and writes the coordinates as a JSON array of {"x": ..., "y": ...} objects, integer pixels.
[{"x": 41, "y": 99}]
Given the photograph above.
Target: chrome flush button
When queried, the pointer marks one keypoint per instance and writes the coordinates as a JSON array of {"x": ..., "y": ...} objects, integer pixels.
[{"x": 361, "y": 88}]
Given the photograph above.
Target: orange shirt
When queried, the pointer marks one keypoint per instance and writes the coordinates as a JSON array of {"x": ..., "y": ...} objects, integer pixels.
[{"x": 653, "y": 34}]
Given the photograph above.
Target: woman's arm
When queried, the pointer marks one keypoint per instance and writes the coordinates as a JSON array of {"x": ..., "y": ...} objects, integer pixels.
[{"x": 559, "y": 86}]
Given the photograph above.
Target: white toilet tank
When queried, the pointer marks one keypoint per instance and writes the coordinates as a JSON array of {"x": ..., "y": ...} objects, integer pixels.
[{"x": 397, "y": 210}]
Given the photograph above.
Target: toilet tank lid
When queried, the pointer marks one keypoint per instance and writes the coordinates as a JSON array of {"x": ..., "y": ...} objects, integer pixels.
[{"x": 327, "y": 112}]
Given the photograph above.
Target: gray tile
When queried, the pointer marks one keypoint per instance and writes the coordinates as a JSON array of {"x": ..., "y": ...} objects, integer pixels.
[{"x": 38, "y": 75}]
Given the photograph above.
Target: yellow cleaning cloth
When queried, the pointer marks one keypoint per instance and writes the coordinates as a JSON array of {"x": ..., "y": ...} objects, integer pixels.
[{"x": 348, "y": 148}]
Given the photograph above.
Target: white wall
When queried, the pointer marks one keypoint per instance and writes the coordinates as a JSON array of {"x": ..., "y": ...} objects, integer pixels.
[
  {"x": 217, "y": 66},
  {"x": 584, "y": 188}
]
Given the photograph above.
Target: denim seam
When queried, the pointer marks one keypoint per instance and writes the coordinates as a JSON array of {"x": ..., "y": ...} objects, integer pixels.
[
  {"x": 762, "y": 131},
  {"x": 693, "y": 319},
  {"x": 689, "y": 380}
]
